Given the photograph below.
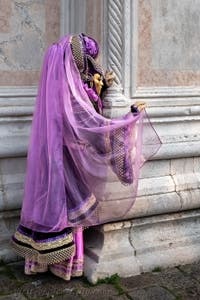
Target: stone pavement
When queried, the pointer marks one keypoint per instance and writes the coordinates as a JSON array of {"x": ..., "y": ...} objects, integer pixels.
[{"x": 179, "y": 283}]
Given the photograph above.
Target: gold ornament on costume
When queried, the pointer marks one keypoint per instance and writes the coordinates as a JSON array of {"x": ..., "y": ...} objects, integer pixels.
[{"x": 98, "y": 82}]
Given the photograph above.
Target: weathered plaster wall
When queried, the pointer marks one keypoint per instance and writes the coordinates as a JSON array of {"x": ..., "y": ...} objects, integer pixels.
[
  {"x": 169, "y": 43},
  {"x": 26, "y": 28}
]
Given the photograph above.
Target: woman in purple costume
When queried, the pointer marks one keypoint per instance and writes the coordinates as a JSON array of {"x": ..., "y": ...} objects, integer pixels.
[{"x": 75, "y": 154}]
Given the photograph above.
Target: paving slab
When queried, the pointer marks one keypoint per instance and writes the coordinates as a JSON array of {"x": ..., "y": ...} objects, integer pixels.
[
  {"x": 47, "y": 285},
  {"x": 181, "y": 283},
  {"x": 58, "y": 290},
  {"x": 50, "y": 289},
  {"x": 67, "y": 297},
  {"x": 178, "y": 283},
  {"x": 192, "y": 270},
  {"x": 106, "y": 297},
  {"x": 139, "y": 281},
  {"x": 15, "y": 296},
  {"x": 7, "y": 285},
  {"x": 17, "y": 269},
  {"x": 101, "y": 292},
  {"x": 151, "y": 293}
]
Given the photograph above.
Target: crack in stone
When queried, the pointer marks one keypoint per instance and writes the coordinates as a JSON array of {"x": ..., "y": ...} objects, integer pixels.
[
  {"x": 5, "y": 43},
  {"x": 134, "y": 248},
  {"x": 177, "y": 192},
  {"x": 6, "y": 61},
  {"x": 22, "y": 48},
  {"x": 27, "y": 20},
  {"x": 23, "y": 10},
  {"x": 186, "y": 274},
  {"x": 130, "y": 239}
]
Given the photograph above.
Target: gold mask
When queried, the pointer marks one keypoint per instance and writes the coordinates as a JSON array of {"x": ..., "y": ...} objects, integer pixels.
[{"x": 98, "y": 82}]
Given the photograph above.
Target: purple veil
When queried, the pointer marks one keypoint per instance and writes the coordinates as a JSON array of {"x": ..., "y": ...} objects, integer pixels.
[{"x": 76, "y": 156}]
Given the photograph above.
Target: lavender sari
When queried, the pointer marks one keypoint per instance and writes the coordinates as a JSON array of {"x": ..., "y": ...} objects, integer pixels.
[{"x": 74, "y": 156}]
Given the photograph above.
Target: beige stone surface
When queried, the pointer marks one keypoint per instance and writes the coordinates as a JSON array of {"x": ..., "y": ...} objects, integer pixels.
[
  {"x": 168, "y": 46},
  {"x": 5, "y": 13},
  {"x": 27, "y": 28}
]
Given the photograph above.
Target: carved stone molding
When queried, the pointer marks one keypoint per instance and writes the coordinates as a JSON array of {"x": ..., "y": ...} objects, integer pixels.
[
  {"x": 16, "y": 110},
  {"x": 169, "y": 96}
]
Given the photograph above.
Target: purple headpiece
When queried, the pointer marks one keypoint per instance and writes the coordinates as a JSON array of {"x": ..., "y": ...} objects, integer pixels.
[
  {"x": 90, "y": 46},
  {"x": 85, "y": 50}
]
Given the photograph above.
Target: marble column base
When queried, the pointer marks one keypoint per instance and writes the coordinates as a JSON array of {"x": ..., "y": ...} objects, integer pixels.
[{"x": 139, "y": 245}]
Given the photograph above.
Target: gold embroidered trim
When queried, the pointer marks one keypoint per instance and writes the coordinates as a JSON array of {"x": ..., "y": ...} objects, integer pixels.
[
  {"x": 77, "y": 273},
  {"x": 65, "y": 274},
  {"x": 86, "y": 206},
  {"x": 77, "y": 261},
  {"x": 35, "y": 268},
  {"x": 46, "y": 258},
  {"x": 44, "y": 245},
  {"x": 59, "y": 273}
]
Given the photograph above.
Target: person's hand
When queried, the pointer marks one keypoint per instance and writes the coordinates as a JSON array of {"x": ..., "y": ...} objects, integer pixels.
[
  {"x": 109, "y": 78},
  {"x": 140, "y": 105}
]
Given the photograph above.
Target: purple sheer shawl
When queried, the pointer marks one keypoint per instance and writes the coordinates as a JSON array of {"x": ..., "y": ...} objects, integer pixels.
[{"x": 79, "y": 162}]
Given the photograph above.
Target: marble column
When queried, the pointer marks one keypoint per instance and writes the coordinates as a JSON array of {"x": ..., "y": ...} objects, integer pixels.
[{"x": 116, "y": 56}]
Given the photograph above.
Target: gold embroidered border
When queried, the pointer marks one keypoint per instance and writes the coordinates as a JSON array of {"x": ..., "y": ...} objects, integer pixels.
[
  {"x": 46, "y": 258},
  {"x": 43, "y": 245},
  {"x": 33, "y": 269},
  {"x": 91, "y": 201},
  {"x": 77, "y": 261},
  {"x": 77, "y": 273},
  {"x": 64, "y": 274}
]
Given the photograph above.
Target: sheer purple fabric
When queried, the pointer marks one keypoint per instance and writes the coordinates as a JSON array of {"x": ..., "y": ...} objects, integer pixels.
[{"x": 79, "y": 162}]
